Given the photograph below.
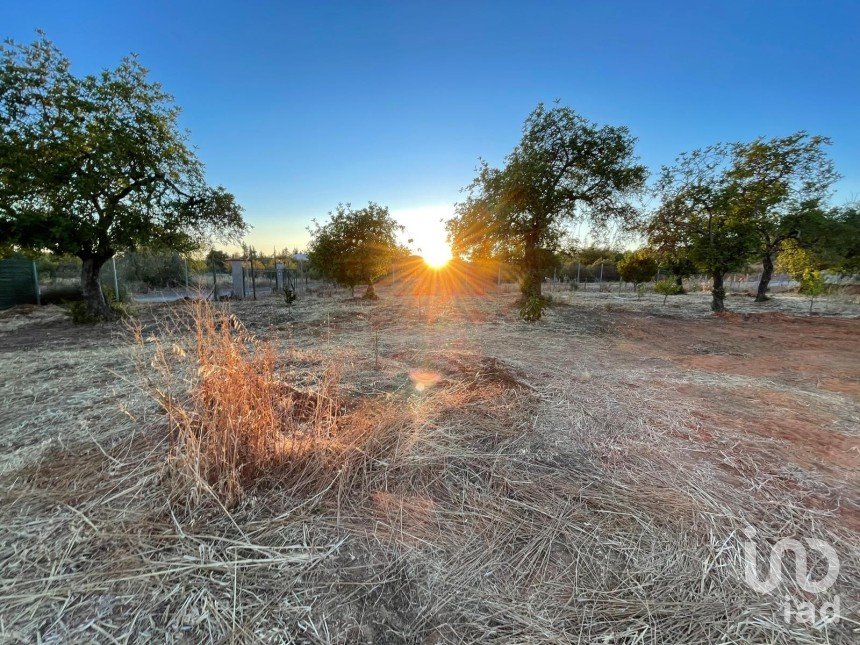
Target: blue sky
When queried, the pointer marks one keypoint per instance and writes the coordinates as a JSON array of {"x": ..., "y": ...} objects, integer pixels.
[{"x": 296, "y": 106}]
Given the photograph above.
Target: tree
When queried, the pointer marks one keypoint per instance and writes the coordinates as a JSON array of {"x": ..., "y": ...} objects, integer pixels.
[
  {"x": 637, "y": 267},
  {"x": 698, "y": 213},
  {"x": 355, "y": 246},
  {"x": 564, "y": 167},
  {"x": 668, "y": 287},
  {"x": 95, "y": 165},
  {"x": 812, "y": 284},
  {"x": 671, "y": 250},
  {"x": 217, "y": 260},
  {"x": 779, "y": 184},
  {"x": 837, "y": 242}
]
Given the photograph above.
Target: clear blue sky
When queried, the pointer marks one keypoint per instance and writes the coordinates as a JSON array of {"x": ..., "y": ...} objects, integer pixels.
[{"x": 296, "y": 106}]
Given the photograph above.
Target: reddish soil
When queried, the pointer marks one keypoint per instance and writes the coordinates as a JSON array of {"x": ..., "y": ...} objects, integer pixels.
[{"x": 789, "y": 364}]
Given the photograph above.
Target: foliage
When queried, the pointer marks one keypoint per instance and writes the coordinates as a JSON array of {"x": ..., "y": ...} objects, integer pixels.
[
  {"x": 289, "y": 296},
  {"x": 637, "y": 266},
  {"x": 592, "y": 263},
  {"x": 838, "y": 242},
  {"x": 812, "y": 284},
  {"x": 97, "y": 164},
  {"x": 355, "y": 246},
  {"x": 698, "y": 216},
  {"x": 564, "y": 167},
  {"x": 81, "y": 314},
  {"x": 778, "y": 185},
  {"x": 219, "y": 260},
  {"x": 590, "y": 255},
  {"x": 668, "y": 287},
  {"x": 795, "y": 260},
  {"x": 152, "y": 268},
  {"x": 531, "y": 308}
]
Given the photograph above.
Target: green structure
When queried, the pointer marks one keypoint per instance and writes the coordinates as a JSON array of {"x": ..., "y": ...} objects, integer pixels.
[{"x": 19, "y": 283}]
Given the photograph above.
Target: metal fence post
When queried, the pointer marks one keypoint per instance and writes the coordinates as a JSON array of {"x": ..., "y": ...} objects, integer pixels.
[
  {"x": 36, "y": 284},
  {"x": 115, "y": 279}
]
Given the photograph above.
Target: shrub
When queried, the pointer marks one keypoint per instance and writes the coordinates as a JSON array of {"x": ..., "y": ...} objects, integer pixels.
[
  {"x": 81, "y": 315},
  {"x": 532, "y": 307},
  {"x": 61, "y": 294},
  {"x": 668, "y": 287},
  {"x": 289, "y": 297}
]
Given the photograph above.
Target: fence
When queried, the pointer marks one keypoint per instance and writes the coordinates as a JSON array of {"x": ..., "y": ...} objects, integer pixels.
[
  {"x": 19, "y": 283},
  {"x": 164, "y": 276}
]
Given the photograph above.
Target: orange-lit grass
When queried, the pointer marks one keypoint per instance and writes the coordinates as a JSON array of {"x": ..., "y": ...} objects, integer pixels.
[{"x": 234, "y": 418}]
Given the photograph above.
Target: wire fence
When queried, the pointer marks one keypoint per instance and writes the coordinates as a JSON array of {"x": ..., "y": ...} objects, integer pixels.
[{"x": 161, "y": 277}]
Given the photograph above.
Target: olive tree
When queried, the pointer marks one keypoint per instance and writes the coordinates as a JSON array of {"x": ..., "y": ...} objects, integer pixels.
[
  {"x": 564, "y": 168},
  {"x": 94, "y": 165}
]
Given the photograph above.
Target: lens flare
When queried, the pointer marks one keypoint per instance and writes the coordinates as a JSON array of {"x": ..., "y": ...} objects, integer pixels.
[{"x": 437, "y": 256}]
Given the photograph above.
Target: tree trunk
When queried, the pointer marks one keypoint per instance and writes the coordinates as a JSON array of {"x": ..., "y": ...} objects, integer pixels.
[
  {"x": 718, "y": 293},
  {"x": 766, "y": 275},
  {"x": 91, "y": 288},
  {"x": 531, "y": 283},
  {"x": 679, "y": 280}
]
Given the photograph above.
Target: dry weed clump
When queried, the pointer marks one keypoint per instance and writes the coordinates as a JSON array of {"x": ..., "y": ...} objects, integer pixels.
[{"x": 234, "y": 419}]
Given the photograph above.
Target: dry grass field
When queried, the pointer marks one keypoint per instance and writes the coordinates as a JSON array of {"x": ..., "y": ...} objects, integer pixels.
[{"x": 433, "y": 472}]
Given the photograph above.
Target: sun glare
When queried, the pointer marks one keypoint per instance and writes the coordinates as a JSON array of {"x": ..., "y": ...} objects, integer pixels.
[{"x": 437, "y": 256}]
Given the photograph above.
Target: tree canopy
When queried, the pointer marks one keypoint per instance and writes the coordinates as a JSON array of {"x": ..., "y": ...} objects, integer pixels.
[
  {"x": 698, "y": 216},
  {"x": 97, "y": 164},
  {"x": 565, "y": 167},
  {"x": 637, "y": 266},
  {"x": 779, "y": 185},
  {"x": 355, "y": 246}
]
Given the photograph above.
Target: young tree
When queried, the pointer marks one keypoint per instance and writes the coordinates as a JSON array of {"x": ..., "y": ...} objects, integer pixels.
[
  {"x": 778, "y": 185},
  {"x": 637, "y": 267},
  {"x": 698, "y": 213},
  {"x": 668, "y": 287},
  {"x": 355, "y": 246},
  {"x": 95, "y": 165},
  {"x": 564, "y": 167}
]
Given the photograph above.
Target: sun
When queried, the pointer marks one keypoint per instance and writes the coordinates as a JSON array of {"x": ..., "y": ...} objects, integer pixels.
[{"x": 436, "y": 255}]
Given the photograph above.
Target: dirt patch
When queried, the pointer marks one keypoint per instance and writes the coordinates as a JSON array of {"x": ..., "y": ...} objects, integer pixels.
[{"x": 816, "y": 352}]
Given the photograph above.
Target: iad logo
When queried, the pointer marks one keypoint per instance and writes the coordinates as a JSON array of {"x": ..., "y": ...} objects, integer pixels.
[{"x": 804, "y": 612}]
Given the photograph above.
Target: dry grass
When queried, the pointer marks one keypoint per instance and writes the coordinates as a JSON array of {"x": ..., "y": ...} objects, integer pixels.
[
  {"x": 233, "y": 419},
  {"x": 279, "y": 498}
]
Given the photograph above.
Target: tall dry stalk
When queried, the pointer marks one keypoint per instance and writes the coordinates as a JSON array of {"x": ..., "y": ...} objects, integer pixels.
[{"x": 233, "y": 417}]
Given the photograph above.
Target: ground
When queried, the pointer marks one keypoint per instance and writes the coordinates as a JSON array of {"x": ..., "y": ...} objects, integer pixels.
[{"x": 588, "y": 477}]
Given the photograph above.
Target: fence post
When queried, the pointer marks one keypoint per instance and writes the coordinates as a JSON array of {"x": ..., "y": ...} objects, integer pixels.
[
  {"x": 238, "y": 278},
  {"x": 116, "y": 280},
  {"x": 36, "y": 284},
  {"x": 253, "y": 275},
  {"x": 279, "y": 276}
]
